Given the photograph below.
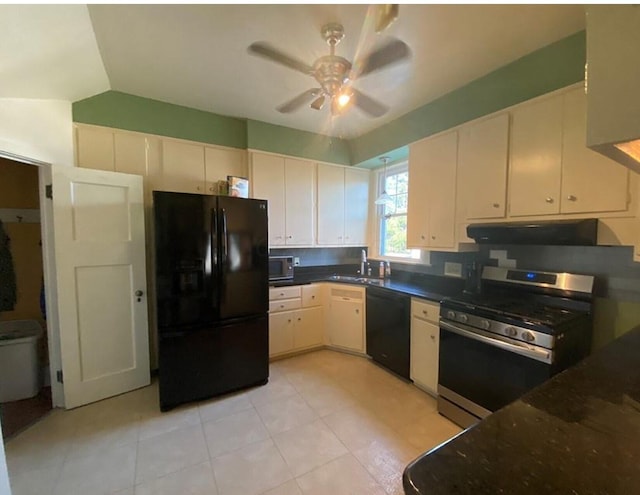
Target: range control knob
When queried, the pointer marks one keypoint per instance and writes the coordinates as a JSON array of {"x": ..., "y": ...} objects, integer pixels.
[
  {"x": 511, "y": 331},
  {"x": 451, "y": 315},
  {"x": 464, "y": 318},
  {"x": 528, "y": 336},
  {"x": 485, "y": 324}
]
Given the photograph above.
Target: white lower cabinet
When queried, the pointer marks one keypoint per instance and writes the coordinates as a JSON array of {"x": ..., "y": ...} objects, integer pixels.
[
  {"x": 425, "y": 340},
  {"x": 295, "y": 319},
  {"x": 345, "y": 317}
]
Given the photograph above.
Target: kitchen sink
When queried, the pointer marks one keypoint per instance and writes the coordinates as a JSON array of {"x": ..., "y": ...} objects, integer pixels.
[{"x": 357, "y": 280}]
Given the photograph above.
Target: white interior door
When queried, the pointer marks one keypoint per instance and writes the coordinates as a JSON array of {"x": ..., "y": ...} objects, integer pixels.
[{"x": 98, "y": 220}]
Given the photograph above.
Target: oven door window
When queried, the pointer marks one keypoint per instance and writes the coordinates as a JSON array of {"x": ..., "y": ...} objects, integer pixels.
[{"x": 488, "y": 376}]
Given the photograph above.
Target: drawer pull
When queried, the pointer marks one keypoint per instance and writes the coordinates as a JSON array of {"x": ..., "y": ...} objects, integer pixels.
[
  {"x": 571, "y": 197},
  {"x": 424, "y": 312},
  {"x": 282, "y": 306},
  {"x": 433, "y": 337},
  {"x": 282, "y": 293},
  {"x": 549, "y": 200},
  {"x": 496, "y": 205}
]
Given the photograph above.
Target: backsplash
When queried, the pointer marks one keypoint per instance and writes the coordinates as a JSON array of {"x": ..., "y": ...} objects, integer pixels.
[{"x": 322, "y": 256}]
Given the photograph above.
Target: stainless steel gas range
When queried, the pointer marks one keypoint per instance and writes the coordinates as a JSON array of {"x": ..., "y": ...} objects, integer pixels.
[{"x": 524, "y": 327}]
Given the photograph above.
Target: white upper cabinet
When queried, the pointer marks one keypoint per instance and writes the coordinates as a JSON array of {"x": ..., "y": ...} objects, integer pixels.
[
  {"x": 590, "y": 181},
  {"x": 267, "y": 173},
  {"x": 482, "y": 168},
  {"x": 356, "y": 205},
  {"x": 288, "y": 186},
  {"x": 219, "y": 163},
  {"x": 331, "y": 204},
  {"x": 182, "y": 168},
  {"x": 432, "y": 192},
  {"x": 299, "y": 202},
  {"x": 95, "y": 148},
  {"x": 130, "y": 153},
  {"x": 536, "y": 158}
]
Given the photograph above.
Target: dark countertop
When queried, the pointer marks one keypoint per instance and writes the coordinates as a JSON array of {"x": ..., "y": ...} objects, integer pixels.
[
  {"x": 577, "y": 434},
  {"x": 430, "y": 288}
]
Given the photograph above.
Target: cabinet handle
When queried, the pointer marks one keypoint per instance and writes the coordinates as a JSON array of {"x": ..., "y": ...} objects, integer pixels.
[
  {"x": 549, "y": 200},
  {"x": 299, "y": 319},
  {"x": 433, "y": 237},
  {"x": 496, "y": 205},
  {"x": 422, "y": 237},
  {"x": 211, "y": 189},
  {"x": 313, "y": 297},
  {"x": 424, "y": 312},
  {"x": 339, "y": 237},
  {"x": 282, "y": 293},
  {"x": 357, "y": 311},
  {"x": 571, "y": 197},
  {"x": 433, "y": 337},
  {"x": 282, "y": 307},
  {"x": 289, "y": 320},
  {"x": 197, "y": 188},
  {"x": 289, "y": 237}
]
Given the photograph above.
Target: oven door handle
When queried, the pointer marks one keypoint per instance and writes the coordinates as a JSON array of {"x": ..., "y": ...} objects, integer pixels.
[{"x": 484, "y": 337}]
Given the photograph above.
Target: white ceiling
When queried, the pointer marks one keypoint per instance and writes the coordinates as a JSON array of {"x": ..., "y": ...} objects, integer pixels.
[{"x": 196, "y": 55}]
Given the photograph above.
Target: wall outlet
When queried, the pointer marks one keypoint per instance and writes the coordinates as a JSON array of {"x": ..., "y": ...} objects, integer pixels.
[
  {"x": 452, "y": 269},
  {"x": 296, "y": 261}
]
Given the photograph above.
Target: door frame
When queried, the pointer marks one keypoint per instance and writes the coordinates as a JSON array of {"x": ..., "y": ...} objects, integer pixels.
[{"x": 49, "y": 273}]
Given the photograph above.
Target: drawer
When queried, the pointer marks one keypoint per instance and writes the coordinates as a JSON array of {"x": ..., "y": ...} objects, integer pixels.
[
  {"x": 311, "y": 296},
  {"x": 277, "y": 293},
  {"x": 425, "y": 310},
  {"x": 284, "y": 305}
]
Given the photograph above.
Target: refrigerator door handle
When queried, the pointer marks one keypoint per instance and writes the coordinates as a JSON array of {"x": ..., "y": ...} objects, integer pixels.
[
  {"x": 215, "y": 266},
  {"x": 225, "y": 240}
]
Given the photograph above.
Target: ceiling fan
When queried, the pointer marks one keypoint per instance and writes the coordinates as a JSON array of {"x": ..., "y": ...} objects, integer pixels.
[{"x": 335, "y": 74}]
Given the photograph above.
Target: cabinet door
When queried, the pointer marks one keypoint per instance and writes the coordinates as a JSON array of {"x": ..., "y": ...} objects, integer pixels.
[
  {"x": 299, "y": 201},
  {"x": 268, "y": 183},
  {"x": 330, "y": 204},
  {"x": 130, "y": 153},
  {"x": 281, "y": 332},
  {"x": 345, "y": 322},
  {"x": 482, "y": 168},
  {"x": 308, "y": 328},
  {"x": 220, "y": 163},
  {"x": 182, "y": 167},
  {"x": 536, "y": 148},
  {"x": 418, "y": 204},
  {"x": 590, "y": 181},
  {"x": 425, "y": 338},
  {"x": 94, "y": 148},
  {"x": 441, "y": 186},
  {"x": 356, "y": 206},
  {"x": 311, "y": 295}
]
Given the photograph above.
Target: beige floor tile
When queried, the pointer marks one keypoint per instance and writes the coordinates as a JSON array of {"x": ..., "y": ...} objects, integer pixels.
[
  {"x": 126, "y": 491},
  {"x": 251, "y": 470},
  {"x": 277, "y": 389},
  {"x": 342, "y": 476},
  {"x": 40, "y": 447},
  {"x": 194, "y": 480},
  {"x": 104, "y": 435},
  {"x": 358, "y": 427},
  {"x": 222, "y": 407},
  {"x": 170, "y": 452},
  {"x": 385, "y": 461},
  {"x": 289, "y": 488},
  {"x": 307, "y": 447},
  {"x": 429, "y": 431},
  {"x": 35, "y": 482},
  {"x": 100, "y": 473},
  {"x": 234, "y": 432},
  {"x": 327, "y": 399},
  {"x": 160, "y": 422},
  {"x": 286, "y": 414}
]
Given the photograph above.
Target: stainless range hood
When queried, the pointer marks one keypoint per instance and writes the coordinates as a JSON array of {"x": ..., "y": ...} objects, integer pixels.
[
  {"x": 613, "y": 82},
  {"x": 551, "y": 233}
]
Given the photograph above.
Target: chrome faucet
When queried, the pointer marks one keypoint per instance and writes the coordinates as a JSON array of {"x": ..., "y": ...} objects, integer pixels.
[{"x": 363, "y": 262}]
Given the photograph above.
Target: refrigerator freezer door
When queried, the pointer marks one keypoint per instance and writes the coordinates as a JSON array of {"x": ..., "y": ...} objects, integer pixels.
[
  {"x": 244, "y": 257},
  {"x": 210, "y": 361}
]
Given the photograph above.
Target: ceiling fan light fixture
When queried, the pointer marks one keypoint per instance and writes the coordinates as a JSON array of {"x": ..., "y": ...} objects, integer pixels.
[{"x": 344, "y": 99}]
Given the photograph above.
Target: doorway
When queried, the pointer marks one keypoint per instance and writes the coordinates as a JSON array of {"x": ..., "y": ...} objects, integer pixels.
[{"x": 25, "y": 389}]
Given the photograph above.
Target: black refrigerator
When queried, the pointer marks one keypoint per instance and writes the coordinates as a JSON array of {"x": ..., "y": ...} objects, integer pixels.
[{"x": 212, "y": 294}]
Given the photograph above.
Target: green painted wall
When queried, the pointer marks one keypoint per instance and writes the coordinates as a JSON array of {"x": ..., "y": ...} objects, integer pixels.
[
  {"x": 547, "y": 69},
  {"x": 134, "y": 113},
  {"x": 278, "y": 139}
]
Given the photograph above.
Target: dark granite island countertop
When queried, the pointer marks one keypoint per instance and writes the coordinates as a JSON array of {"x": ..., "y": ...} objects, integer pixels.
[{"x": 577, "y": 434}]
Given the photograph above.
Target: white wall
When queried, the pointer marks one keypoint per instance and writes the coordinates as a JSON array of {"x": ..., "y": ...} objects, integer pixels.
[
  {"x": 37, "y": 129},
  {"x": 4, "y": 476}
]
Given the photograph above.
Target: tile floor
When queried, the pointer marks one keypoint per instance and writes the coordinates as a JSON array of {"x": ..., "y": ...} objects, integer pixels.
[{"x": 326, "y": 423}]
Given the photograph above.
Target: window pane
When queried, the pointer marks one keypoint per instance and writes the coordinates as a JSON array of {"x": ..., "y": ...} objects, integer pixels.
[
  {"x": 401, "y": 203},
  {"x": 390, "y": 184},
  {"x": 403, "y": 182},
  {"x": 395, "y": 236}
]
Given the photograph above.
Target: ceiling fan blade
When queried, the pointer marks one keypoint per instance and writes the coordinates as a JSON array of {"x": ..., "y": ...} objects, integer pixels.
[
  {"x": 367, "y": 104},
  {"x": 264, "y": 50},
  {"x": 391, "y": 53},
  {"x": 318, "y": 103},
  {"x": 299, "y": 100},
  {"x": 385, "y": 15}
]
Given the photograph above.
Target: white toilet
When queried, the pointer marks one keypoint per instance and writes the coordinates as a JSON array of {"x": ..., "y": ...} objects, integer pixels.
[{"x": 19, "y": 369}]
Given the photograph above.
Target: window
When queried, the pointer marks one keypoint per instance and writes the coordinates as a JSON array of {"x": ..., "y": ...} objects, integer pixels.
[{"x": 393, "y": 214}]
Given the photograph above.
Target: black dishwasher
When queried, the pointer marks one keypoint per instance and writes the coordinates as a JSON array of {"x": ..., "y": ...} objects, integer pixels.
[{"x": 388, "y": 329}]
